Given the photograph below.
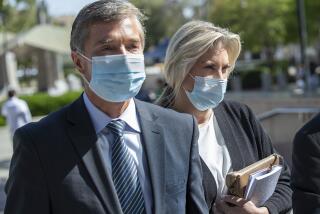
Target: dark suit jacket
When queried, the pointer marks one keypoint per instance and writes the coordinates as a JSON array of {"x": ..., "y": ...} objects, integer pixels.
[
  {"x": 306, "y": 168},
  {"x": 247, "y": 143},
  {"x": 57, "y": 166}
]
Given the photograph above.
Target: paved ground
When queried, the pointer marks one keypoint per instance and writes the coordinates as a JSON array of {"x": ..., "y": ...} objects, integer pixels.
[
  {"x": 2, "y": 196},
  {"x": 5, "y": 156}
]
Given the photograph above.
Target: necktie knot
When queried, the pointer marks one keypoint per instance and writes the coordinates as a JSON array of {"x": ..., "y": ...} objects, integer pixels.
[{"x": 117, "y": 126}]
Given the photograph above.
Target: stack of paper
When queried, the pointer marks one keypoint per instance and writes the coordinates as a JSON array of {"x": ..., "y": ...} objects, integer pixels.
[{"x": 262, "y": 184}]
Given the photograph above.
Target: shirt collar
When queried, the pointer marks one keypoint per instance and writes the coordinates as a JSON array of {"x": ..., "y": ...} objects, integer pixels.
[
  {"x": 100, "y": 120},
  {"x": 130, "y": 116}
]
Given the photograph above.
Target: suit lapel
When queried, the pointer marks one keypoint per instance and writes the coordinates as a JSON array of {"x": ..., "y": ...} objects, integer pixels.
[
  {"x": 229, "y": 137},
  {"x": 154, "y": 148},
  {"x": 84, "y": 139}
]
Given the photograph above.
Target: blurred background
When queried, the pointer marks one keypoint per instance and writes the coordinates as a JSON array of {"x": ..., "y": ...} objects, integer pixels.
[{"x": 277, "y": 74}]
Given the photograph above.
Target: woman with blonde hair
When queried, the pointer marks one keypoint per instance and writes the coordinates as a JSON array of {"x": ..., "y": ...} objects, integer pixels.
[{"x": 198, "y": 63}]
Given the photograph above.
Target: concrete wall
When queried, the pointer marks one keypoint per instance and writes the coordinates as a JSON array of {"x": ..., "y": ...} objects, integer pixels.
[
  {"x": 8, "y": 71},
  {"x": 50, "y": 68},
  {"x": 3, "y": 73},
  {"x": 261, "y": 102},
  {"x": 280, "y": 127}
]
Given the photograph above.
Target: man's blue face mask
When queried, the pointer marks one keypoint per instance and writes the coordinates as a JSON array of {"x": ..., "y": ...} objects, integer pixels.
[
  {"x": 207, "y": 92},
  {"x": 116, "y": 78}
]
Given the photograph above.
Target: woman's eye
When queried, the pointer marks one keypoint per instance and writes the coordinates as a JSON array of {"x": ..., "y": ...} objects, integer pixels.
[
  {"x": 226, "y": 69},
  {"x": 134, "y": 47}
]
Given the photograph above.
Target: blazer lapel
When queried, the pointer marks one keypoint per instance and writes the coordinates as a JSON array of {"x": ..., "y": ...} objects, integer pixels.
[
  {"x": 84, "y": 139},
  {"x": 229, "y": 137},
  {"x": 154, "y": 148}
]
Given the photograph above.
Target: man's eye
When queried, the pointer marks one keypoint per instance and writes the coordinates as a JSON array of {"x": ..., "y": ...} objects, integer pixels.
[
  {"x": 108, "y": 48},
  {"x": 210, "y": 67}
]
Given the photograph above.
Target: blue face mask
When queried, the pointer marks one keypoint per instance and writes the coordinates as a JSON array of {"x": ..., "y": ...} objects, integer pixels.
[
  {"x": 207, "y": 92},
  {"x": 116, "y": 78}
]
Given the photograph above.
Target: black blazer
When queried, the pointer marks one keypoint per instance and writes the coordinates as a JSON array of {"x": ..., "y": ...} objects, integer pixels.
[
  {"x": 57, "y": 166},
  {"x": 247, "y": 143},
  {"x": 306, "y": 168}
]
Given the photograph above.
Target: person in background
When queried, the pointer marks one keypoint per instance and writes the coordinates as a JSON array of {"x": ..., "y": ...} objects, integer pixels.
[
  {"x": 16, "y": 111},
  {"x": 198, "y": 63},
  {"x": 107, "y": 152},
  {"x": 306, "y": 168}
]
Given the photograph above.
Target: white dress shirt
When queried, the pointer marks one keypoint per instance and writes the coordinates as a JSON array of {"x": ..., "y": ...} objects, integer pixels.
[
  {"x": 17, "y": 113},
  {"x": 214, "y": 152},
  {"x": 132, "y": 138}
]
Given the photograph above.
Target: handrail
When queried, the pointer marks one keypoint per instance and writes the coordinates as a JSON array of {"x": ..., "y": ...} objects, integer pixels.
[{"x": 276, "y": 111}]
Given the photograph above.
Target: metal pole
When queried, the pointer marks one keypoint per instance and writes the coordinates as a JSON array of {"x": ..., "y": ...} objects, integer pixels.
[{"x": 303, "y": 40}]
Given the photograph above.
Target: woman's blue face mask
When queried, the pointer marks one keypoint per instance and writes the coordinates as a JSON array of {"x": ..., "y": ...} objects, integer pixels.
[
  {"x": 207, "y": 92},
  {"x": 116, "y": 78}
]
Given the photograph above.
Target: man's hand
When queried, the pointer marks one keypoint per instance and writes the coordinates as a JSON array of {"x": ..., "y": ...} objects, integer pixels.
[{"x": 241, "y": 206}]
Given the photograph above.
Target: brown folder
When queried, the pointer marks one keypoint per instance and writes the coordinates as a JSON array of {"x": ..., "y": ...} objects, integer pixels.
[{"x": 237, "y": 181}]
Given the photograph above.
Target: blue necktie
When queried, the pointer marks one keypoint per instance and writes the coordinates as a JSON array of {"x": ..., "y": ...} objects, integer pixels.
[{"x": 124, "y": 172}]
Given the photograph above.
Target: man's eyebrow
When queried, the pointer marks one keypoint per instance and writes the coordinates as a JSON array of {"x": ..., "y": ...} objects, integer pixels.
[
  {"x": 104, "y": 41},
  {"x": 108, "y": 41}
]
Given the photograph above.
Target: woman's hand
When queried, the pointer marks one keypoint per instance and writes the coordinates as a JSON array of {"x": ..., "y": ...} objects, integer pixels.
[{"x": 232, "y": 204}]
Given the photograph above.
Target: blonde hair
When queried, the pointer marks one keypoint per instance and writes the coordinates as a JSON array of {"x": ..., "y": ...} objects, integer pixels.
[{"x": 190, "y": 42}]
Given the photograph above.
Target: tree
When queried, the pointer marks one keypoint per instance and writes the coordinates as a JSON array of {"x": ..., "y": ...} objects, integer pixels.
[
  {"x": 164, "y": 18},
  {"x": 264, "y": 23},
  {"x": 313, "y": 19},
  {"x": 19, "y": 15},
  {"x": 261, "y": 23}
]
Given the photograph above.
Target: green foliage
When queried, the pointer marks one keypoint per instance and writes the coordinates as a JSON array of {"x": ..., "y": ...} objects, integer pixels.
[
  {"x": 312, "y": 16},
  {"x": 264, "y": 23},
  {"x": 260, "y": 23},
  {"x": 163, "y": 18},
  {"x": 2, "y": 121},
  {"x": 43, "y": 104},
  {"x": 312, "y": 9},
  {"x": 19, "y": 15}
]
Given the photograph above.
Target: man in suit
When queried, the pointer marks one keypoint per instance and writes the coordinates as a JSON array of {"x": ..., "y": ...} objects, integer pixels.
[
  {"x": 107, "y": 152},
  {"x": 306, "y": 169}
]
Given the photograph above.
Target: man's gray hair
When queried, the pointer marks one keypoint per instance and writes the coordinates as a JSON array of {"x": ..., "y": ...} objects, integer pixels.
[{"x": 102, "y": 11}]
